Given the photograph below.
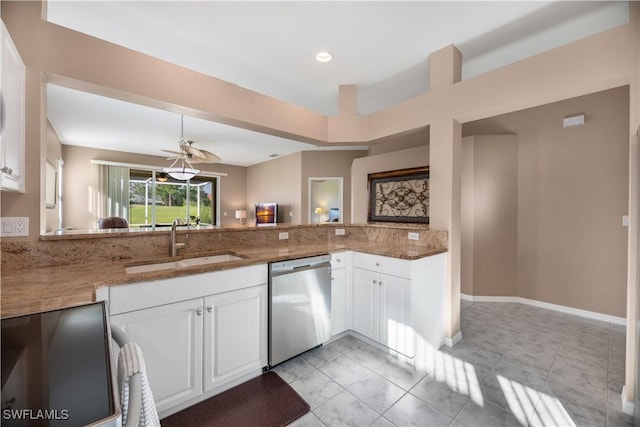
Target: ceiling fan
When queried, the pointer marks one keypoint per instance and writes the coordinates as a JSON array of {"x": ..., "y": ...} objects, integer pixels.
[{"x": 182, "y": 168}]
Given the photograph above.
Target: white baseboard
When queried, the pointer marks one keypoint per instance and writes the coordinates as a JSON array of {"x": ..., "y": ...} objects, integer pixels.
[
  {"x": 477, "y": 298},
  {"x": 627, "y": 407},
  {"x": 556, "y": 307},
  {"x": 450, "y": 342}
]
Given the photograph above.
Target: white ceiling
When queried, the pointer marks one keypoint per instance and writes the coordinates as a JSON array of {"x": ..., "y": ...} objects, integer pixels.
[{"x": 269, "y": 47}]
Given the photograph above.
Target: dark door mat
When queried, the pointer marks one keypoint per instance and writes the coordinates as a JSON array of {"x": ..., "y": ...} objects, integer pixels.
[{"x": 263, "y": 401}]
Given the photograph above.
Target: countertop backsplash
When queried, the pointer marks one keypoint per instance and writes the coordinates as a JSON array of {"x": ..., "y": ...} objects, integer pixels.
[{"x": 76, "y": 249}]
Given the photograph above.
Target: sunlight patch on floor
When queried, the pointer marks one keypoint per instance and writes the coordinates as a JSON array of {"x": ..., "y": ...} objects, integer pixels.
[
  {"x": 459, "y": 375},
  {"x": 529, "y": 406},
  {"x": 521, "y": 399},
  {"x": 550, "y": 412},
  {"x": 401, "y": 337}
]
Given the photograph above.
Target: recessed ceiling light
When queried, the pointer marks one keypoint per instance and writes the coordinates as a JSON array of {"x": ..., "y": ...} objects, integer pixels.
[
  {"x": 274, "y": 155},
  {"x": 323, "y": 57}
]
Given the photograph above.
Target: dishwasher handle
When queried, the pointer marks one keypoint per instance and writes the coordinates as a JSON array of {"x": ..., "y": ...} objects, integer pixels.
[
  {"x": 299, "y": 264},
  {"x": 300, "y": 269}
]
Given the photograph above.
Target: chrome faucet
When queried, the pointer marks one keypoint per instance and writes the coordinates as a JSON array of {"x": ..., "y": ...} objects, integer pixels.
[{"x": 174, "y": 244}]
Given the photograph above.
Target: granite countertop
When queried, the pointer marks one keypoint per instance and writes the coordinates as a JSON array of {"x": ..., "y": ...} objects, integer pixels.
[{"x": 47, "y": 288}]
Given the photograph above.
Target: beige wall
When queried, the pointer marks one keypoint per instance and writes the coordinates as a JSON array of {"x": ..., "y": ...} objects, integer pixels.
[
  {"x": 633, "y": 336},
  {"x": 328, "y": 164},
  {"x": 467, "y": 216},
  {"x": 278, "y": 181},
  {"x": 410, "y": 139},
  {"x": 53, "y": 154},
  {"x": 632, "y": 374},
  {"x": 489, "y": 216},
  {"x": 78, "y": 180},
  {"x": 572, "y": 191},
  {"x": 30, "y": 203},
  {"x": 403, "y": 159},
  {"x": 54, "y": 146}
]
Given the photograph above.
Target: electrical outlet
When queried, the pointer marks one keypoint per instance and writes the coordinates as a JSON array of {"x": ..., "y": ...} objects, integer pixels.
[
  {"x": 22, "y": 227},
  {"x": 414, "y": 236},
  {"x": 283, "y": 235},
  {"x": 339, "y": 231},
  {"x": 625, "y": 220},
  {"x": 15, "y": 226}
]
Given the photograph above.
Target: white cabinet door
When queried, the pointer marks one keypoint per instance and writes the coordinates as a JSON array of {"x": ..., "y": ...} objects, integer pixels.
[
  {"x": 366, "y": 300},
  {"x": 338, "y": 300},
  {"x": 170, "y": 337},
  {"x": 235, "y": 335},
  {"x": 12, "y": 102},
  {"x": 381, "y": 307},
  {"x": 395, "y": 330}
]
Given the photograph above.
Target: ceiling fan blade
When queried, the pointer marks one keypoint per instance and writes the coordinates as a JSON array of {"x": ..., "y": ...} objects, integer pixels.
[
  {"x": 208, "y": 157},
  {"x": 193, "y": 151}
]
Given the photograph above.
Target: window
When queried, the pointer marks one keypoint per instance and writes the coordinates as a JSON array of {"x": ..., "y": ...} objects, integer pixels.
[{"x": 157, "y": 203}]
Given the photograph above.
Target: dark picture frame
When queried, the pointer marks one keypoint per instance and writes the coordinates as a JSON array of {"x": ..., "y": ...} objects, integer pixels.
[{"x": 399, "y": 196}]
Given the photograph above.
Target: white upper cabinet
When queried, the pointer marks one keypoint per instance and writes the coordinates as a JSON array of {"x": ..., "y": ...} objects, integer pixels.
[{"x": 12, "y": 102}]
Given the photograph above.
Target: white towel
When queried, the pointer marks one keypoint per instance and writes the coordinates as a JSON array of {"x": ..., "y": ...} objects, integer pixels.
[{"x": 130, "y": 362}]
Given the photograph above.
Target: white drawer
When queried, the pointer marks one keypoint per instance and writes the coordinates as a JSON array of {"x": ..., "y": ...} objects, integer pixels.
[
  {"x": 338, "y": 260},
  {"x": 382, "y": 264},
  {"x": 137, "y": 296}
]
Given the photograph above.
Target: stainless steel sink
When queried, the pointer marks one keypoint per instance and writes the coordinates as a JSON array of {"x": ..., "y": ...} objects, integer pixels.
[{"x": 183, "y": 263}]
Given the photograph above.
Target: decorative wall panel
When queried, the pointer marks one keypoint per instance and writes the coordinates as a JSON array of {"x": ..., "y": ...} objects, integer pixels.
[{"x": 399, "y": 196}]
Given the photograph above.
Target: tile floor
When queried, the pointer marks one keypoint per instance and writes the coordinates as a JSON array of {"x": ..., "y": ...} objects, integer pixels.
[{"x": 516, "y": 365}]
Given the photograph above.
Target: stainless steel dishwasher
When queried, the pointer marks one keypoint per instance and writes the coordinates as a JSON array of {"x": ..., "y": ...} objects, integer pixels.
[{"x": 299, "y": 306}]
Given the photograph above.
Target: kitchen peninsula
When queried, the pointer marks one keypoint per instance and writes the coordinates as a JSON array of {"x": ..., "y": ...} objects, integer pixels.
[
  {"x": 64, "y": 270},
  {"x": 211, "y": 301}
]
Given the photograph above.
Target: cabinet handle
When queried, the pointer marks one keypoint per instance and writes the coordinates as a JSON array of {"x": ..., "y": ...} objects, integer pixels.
[
  {"x": 375, "y": 281},
  {"x": 380, "y": 283},
  {"x": 377, "y": 264},
  {"x": 7, "y": 170},
  {"x": 338, "y": 259},
  {"x": 199, "y": 312},
  {"x": 209, "y": 309}
]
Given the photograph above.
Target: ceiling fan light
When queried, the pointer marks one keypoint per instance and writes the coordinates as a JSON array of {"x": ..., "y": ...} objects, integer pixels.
[
  {"x": 184, "y": 172},
  {"x": 181, "y": 173}
]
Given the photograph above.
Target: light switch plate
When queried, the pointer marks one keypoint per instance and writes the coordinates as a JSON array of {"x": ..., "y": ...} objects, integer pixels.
[
  {"x": 625, "y": 220},
  {"x": 15, "y": 226}
]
